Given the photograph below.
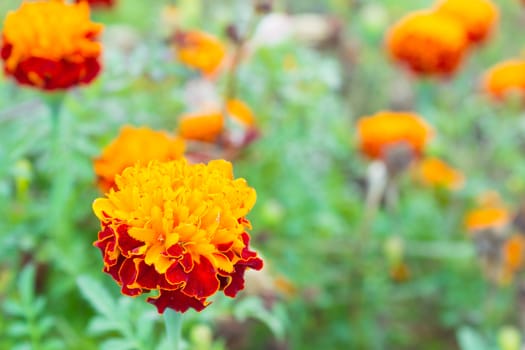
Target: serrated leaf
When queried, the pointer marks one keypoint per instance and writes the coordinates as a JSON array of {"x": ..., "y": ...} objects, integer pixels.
[
  {"x": 100, "y": 325},
  {"x": 469, "y": 339},
  {"x": 254, "y": 308},
  {"x": 97, "y": 296},
  {"x": 26, "y": 285},
  {"x": 13, "y": 308},
  {"x": 18, "y": 329},
  {"x": 121, "y": 344}
]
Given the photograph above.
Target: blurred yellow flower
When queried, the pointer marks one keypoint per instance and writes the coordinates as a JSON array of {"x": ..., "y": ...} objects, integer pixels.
[
  {"x": 179, "y": 229},
  {"x": 135, "y": 145},
  {"x": 428, "y": 43}
]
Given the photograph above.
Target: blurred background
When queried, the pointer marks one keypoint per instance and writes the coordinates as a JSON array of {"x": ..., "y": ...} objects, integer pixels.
[{"x": 342, "y": 270}]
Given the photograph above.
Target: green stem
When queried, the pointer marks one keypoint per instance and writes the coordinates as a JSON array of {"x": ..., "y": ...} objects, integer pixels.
[{"x": 173, "y": 321}]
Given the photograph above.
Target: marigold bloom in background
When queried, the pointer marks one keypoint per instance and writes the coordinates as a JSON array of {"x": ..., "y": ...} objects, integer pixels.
[
  {"x": 478, "y": 17},
  {"x": 428, "y": 43},
  {"x": 384, "y": 130},
  {"x": 208, "y": 126},
  {"x": 435, "y": 172},
  {"x": 51, "y": 45},
  {"x": 98, "y": 3},
  {"x": 179, "y": 229},
  {"x": 135, "y": 145},
  {"x": 505, "y": 77},
  {"x": 199, "y": 50},
  {"x": 514, "y": 253},
  {"x": 491, "y": 216}
]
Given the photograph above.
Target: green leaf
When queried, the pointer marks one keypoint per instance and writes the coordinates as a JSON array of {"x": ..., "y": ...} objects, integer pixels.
[
  {"x": 470, "y": 339},
  {"x": 253, "y": 307},
  {"x": 121, "y": 344},
  {"x": 97, "y": 296},
  {"x": 26, "y": 285}
]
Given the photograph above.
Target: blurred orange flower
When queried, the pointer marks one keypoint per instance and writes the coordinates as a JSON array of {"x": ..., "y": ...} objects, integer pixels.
[
  {"x": 514, "y": 253},
  {"x": 383, "y": 130},
  {"x": 201, "y": 126},
  {"x": 178, "y": 229},
  {"x": 428, "y": 43},
  {"x": 135, "y": 145},
  {"x": 208, "y": 126},
  {"x": 487, "y": 217},
  {"x": 98, "y": 3},
  {"x": 199, "y": 50},
  {"x": 435, "y": 172},
  {"x": 51, "y": 45},
  {"x": 478, "y": 17},
  {"x": 505, "y": 77}
]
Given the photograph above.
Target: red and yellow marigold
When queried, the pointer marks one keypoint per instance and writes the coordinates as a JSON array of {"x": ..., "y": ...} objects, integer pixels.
[
  {"x": 435, "y": 172},
  {"x": 51, "y": 45},
  {"x": 178, "y": 229},
  {"x": 428, "y": 43},
  {"x": 379, "y": 132},
  {"x": 505, "y": 77},
  {"x": 135, "y": 145},
  {"x": 199, "y": 50},
  {"x": 478, "y": 17}
]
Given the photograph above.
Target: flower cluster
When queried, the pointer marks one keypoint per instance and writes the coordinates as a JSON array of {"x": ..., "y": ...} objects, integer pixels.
[
  {"x": 435, "y": 41},
  {"x": 135, "y": 145},
  {"x": 178, "y": 229},
  {"x": 51, "y": 45}
]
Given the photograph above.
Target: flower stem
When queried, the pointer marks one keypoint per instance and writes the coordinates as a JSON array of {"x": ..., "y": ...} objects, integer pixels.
[{"x": 173, "y": 321}]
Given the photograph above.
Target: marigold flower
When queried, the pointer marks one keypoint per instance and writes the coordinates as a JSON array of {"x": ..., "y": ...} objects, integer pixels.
[
  {"x": 199, "y": 50},
  {"x": 428, "y": 43},
  {"x": 179, "y": 229},
  {"x": 51, "y": 45},
  {"x": 478, "y": 17},
  {"x": 435, "y": 172},
  {"x": 98, "y": 3},
  {"x": 208, "y": 126},
  {"x": 201, "y": 126},
  {"x": 135, "y": 145},
  {"x": 505, "y": 77},
  {"x": 487, "y": 218},
  {"x": 514, "y": 253},
  {"x": 384, "y": 130}
]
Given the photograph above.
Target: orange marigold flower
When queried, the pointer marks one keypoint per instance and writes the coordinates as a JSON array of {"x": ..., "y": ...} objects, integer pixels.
[
  {"x": 179, "y": 229},
  {"x": 51, "y": 45},
  {"x": 135, "y": 145},
  {"x": 201, "y": 126},
  {"x": 514, "y": 253},
  {"x": 505, "y": 77},
  {"x": 428, "y": 43},
  {"x": 478, "y": 17},
  {"x": 487, "y": 218},
  {"x": 98, "y": 3},
  {"x": 435, "y": 172},
  {"x": 199, "y": 50},
  {"x": 241, "y": 112},
  {"x": 208, "y": 126},
  {"x": 383, "y": 130}
]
